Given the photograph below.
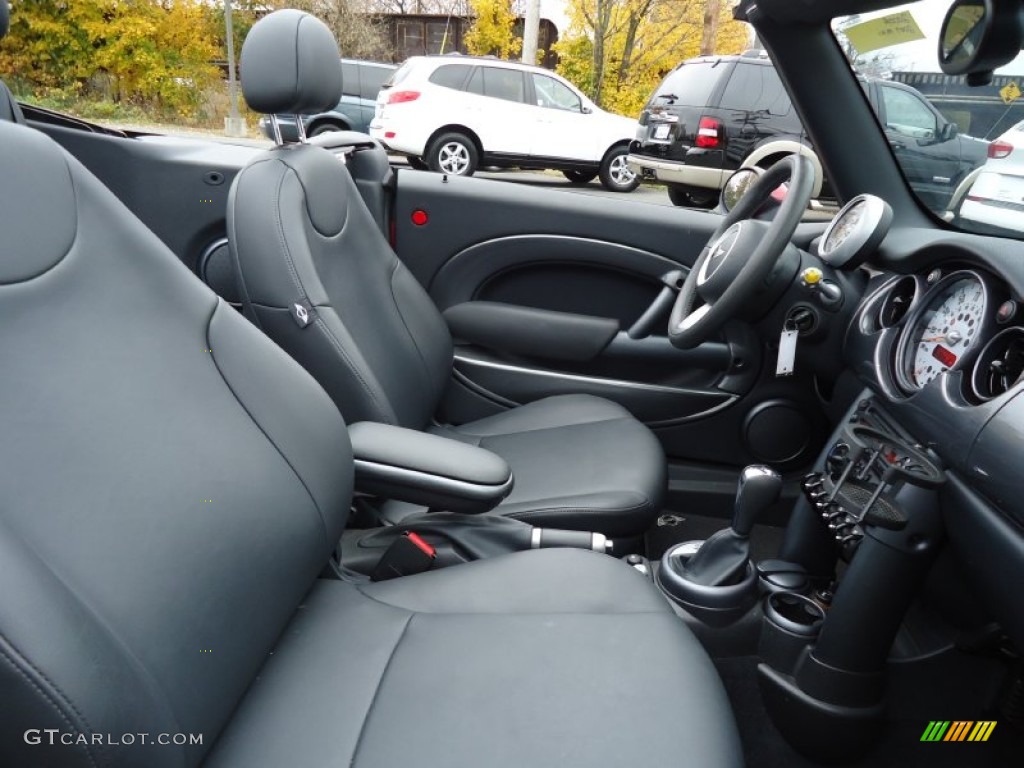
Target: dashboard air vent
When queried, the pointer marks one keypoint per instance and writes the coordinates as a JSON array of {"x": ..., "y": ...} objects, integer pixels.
[
  {"x": 1000, "y": 365},
  {"x": 898, "y": 301}
]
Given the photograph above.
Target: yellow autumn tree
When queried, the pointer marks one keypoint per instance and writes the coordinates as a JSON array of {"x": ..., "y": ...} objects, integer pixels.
[
  {"x": 149, "y": 54},
  {"x": 618, "y": 50},
  {"x": 493, "y": 30}
]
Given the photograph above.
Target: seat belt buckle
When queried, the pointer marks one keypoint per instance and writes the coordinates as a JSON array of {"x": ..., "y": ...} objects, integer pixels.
[{"x": 408, "y": 554}]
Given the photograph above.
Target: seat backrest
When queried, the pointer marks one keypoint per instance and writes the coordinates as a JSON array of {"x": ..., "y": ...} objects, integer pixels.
[
  {"x": 171, "y": 482},
  {"x": 315, "y": 271},
  {"x": 9, "y": 109}
]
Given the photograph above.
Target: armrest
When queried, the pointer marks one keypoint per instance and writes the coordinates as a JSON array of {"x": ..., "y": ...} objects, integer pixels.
[
  {"x": 528, "y": 331},
  {"x": 420, "y": 468}
]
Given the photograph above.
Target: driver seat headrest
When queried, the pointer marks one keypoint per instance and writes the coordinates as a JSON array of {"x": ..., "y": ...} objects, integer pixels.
[{"x": 290, "y": 65}]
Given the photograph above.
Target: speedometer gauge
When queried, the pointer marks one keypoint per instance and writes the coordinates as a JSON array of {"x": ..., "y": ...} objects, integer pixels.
[{"x": 946, "y": 330}]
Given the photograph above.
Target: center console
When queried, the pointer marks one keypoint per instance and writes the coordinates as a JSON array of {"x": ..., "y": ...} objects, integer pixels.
[{"x": 870, "y": 512}]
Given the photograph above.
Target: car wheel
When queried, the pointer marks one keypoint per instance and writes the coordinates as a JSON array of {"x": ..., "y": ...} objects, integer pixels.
[
  {"x": 615, "y": 174},
  {"x": 326, "y": 128},
  {"x": 686, "y": 196},
  {"x": 453, "y": 153},
  {"x": 417, "y": 163},
  {"x": 580, "y": 177}
]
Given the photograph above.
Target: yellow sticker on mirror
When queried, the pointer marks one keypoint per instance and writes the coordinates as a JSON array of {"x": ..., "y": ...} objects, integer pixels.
[
  {"x": 888, "y": 30},
  {"x": 1010, "y": 92}
]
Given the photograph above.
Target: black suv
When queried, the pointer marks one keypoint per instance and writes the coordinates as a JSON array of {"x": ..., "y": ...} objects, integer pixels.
[{"x": 714, "y": 114}]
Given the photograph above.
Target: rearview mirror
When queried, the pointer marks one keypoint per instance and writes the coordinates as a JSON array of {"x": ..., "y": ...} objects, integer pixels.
[
  {"x": 948, "y": 132},
  {"x": 978, "y": 36}
]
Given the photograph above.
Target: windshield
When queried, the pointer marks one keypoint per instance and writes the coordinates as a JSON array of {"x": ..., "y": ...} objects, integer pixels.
[{"x": 961, "y": 148}]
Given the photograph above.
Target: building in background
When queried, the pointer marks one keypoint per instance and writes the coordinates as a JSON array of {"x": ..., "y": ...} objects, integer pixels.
[{"x": 420, "y": 34}]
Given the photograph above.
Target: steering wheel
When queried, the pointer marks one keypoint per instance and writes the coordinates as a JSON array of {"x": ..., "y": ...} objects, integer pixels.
[{"x": 739, "y": 257}]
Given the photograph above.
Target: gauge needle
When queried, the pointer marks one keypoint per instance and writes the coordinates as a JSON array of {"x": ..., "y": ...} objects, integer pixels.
[{"x": 954, "y": 337}]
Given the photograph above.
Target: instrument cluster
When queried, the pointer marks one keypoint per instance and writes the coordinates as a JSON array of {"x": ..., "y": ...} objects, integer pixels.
[{"x": 956, "y": 321}]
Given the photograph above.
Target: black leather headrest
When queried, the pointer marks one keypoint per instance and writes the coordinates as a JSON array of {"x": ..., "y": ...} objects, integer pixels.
[
  {"x": 290, "y": 65},
  {"x": 4, "y": 17}
]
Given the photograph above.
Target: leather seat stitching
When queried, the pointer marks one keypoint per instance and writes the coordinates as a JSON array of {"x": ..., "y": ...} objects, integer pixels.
[
  {"x": 13, "y": 663},
  {"x": 213, "y": 357},
  {"x": 332, "y": 339},
  {"x": 401, "y": 316},
  {"x": 547, "y": 428},
  {"x": 562, "y": 612},
  {"x": 527, "y": 514},
  {"x": 376, "y": 690},
  {"x": 281, "y": 237},
  {"x": 71, "y": 245}
]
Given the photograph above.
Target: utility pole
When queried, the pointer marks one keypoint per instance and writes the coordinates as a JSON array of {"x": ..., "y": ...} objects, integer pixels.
[
  {"x": 712, "y": 11},
  {"x": 234, "y": 125},
  {"x": 531, "y": 29}
]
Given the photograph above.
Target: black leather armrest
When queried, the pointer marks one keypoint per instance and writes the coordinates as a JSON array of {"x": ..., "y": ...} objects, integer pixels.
[
  {"x": 529, "y": 331},
  {"x": 420, "y": 468}
]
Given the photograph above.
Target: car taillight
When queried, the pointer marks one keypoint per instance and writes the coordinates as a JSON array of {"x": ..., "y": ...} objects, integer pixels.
[
  {"x": 400, "y": 97},
  {"x": 999, "y": 149},
  {"x": 708, "y": 133}
]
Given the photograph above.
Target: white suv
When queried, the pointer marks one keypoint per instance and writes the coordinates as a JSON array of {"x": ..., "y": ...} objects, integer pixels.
[{"x": 454, "y": 113}]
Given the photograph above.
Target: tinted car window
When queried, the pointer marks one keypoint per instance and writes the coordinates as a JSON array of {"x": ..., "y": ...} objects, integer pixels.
[
  {"x": 907, "y": 114},
  {"x": 350, "y": 79},
  {"x": 398, "y": 75},
  {"x": 371, "y": 79},
  {"x": 476, "y": 82},
  {"x": 450, "y": 75},
  {"x": 690, "y": 85},
  {"x": 504, "y": 84},
  {"x": 554, "y": 95},
  {"x": 756, "y": 88}
]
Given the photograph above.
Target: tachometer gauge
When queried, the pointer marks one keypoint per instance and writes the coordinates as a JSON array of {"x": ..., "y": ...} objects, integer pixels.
[
  {"x": 946, "y": 331},
  {"x": 855, "y": 232}
]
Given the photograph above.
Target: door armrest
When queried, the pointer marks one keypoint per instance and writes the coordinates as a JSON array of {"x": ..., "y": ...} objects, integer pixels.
[
  {"x": 433, "y": 471},
  {"x": 518, "y": 330}
]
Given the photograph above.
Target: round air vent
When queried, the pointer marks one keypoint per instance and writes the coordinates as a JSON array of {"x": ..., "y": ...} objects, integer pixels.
[
  {"x": 898, "y": 301},
  {"x": 1000, "y": 365}
]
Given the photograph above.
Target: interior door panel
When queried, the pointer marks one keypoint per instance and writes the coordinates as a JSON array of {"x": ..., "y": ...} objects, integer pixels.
[
  {"x": 487, "y": 244},
  {"x": 177, "y": 187}
]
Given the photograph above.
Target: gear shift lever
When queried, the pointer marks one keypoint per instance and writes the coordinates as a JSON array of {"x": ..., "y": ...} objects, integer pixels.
[
  {"x": 723, "y": 557},
  {"x": 758, "y": 489}
]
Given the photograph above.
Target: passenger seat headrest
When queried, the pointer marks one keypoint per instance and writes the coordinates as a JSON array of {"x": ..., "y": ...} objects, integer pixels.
[
  {"x": 290, "y": 65},
  {"x": 4, "y": 17}
]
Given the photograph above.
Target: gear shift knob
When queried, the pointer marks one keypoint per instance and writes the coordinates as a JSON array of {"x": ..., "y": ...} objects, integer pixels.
[{"x": 758, "y": 489}]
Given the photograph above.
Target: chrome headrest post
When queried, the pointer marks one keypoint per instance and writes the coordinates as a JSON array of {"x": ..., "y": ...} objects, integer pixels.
[
  {"x": 277, "y": 130},
  {"x": 300, "y": 126}
]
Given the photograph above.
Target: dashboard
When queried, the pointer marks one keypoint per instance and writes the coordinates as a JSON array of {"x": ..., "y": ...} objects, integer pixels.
[{"x": 938, "y": 338}]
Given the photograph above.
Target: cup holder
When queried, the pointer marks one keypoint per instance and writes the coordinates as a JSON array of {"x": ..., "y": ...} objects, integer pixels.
[{"x": 791, "y": 623}]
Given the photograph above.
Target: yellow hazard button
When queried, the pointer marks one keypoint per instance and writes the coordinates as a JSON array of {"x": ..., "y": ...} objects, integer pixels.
[{"x": 811, "y": 276}]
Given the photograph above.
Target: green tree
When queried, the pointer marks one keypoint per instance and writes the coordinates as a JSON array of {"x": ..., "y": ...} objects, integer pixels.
[
  {"x": 493, "y": 30},
  {"x": 618, "y": 50}
]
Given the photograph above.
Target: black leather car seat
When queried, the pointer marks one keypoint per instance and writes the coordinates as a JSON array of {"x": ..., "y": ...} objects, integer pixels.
[
  {"x": 171, "y": 486},
  {"x": 320, "y": 279}
]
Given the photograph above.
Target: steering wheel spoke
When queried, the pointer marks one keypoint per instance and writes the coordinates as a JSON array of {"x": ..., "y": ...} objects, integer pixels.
[{"x": 740, "y": 255}]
